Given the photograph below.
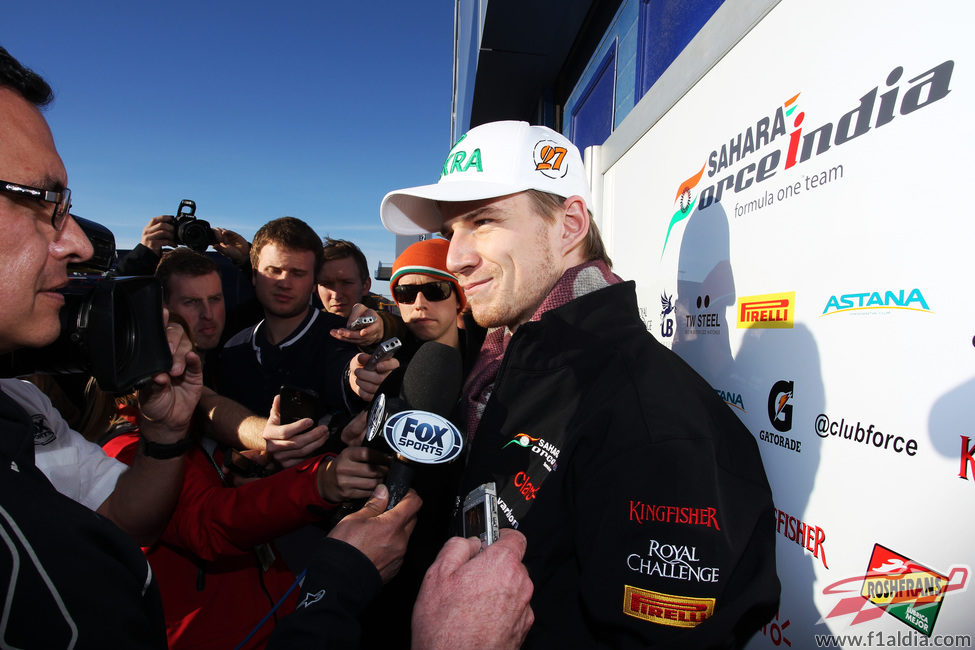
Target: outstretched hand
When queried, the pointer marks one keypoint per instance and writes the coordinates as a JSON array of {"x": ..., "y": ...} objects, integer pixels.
[{"x": 365, "y": 337}]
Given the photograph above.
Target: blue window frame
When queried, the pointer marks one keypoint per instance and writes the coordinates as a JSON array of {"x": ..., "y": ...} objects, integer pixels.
[
  {"x": 665, "y": 29},
  {"x": 592, "y": 115}
]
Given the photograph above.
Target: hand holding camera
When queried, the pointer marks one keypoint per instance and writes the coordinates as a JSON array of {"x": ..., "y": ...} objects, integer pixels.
[
  {"x": 159, "y": 232},
  {"x": 192, "y": 232}
]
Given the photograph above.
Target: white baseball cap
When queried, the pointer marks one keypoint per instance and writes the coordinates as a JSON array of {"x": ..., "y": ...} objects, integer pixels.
[{"x": 491, "y": 160}]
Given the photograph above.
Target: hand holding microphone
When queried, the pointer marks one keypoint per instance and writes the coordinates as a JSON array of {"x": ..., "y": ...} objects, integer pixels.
[{"x": 416, "y": 428}]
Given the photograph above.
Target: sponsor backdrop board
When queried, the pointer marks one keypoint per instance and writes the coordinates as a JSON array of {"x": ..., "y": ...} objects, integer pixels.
[{"x": 799, "y": 228}]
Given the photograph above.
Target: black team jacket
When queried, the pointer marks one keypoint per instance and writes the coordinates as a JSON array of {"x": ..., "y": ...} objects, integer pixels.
[{"x": 647, "y": 511}]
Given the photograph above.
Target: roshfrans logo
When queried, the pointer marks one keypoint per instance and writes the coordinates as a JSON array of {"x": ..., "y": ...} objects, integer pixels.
[
  {"x": 899, "y": 586},
  {"x": 423, "y": 437},
  {"x": 922, "y": 90},
  {"x": 912, "y": 300},
  {"x": 768, "y": 311},
  {"x": 550, "y": 159}
]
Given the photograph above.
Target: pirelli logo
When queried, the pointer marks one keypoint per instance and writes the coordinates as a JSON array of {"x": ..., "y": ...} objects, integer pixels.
[
  {"x": 769, "y": 311},
  {"x": 676, "y": 611}
]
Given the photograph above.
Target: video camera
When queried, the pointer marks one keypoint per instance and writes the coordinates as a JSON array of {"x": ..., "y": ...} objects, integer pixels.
[
  {"x": 111, "y": 327},
  {"x": 190, "y": 231}
]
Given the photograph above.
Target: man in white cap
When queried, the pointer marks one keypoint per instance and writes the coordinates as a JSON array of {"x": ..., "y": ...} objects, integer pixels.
[{"x": 643, "y": 498}]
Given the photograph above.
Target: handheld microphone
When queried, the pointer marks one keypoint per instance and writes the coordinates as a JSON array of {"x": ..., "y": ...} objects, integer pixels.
[{"x": 416, "y": 428}]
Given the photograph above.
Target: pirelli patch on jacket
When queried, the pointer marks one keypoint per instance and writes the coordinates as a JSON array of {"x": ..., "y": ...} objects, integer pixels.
[{"x": 665, "y": 609}]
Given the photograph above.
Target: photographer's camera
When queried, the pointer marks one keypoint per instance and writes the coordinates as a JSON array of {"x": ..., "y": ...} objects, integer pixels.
[{"x": 190, "y": 231}]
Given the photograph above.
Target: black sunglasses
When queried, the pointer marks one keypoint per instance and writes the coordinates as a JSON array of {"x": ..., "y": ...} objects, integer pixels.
[{"x": 432, "y": 291}]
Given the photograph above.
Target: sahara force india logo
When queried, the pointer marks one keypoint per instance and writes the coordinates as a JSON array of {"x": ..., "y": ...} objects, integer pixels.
[
  {"x": 899, "y": 586},
  {"x": 921, "y": 90},
  {"x": 548, "y": 452}
]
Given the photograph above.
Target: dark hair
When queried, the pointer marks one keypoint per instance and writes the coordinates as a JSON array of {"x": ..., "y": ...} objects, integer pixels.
[
  {"x": 592, "y": 247},
  {"x": 25, "y": 81},
  {"x": 291, "y": 233},
  {"x": 339, "y": 249},
  {"x": 183, "y": 261}
]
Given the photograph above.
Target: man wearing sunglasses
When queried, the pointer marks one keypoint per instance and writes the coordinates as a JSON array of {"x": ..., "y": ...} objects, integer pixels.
[
  {"x": 428, "y": 296},
  {"x": 607, "y": 451}
]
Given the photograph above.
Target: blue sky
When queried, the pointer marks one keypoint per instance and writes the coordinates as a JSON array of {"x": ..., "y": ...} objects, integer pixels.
[{"x": 254, "y": 110}]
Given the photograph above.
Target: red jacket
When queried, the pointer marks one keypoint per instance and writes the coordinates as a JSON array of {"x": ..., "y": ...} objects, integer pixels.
[{"x": 214, "y": 590}]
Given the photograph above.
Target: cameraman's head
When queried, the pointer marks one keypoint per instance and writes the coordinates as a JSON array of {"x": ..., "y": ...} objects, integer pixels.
[
  {"x": 192, "y": 290},
  {"x": 38, "y": 237}
]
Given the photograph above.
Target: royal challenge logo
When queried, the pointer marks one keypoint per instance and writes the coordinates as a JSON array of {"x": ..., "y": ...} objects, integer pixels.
[{"x": 742, "y": 166}]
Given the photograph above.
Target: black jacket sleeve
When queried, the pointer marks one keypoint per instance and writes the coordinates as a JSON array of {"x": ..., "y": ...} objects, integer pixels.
[
  {"x": 141, "y": 260},
  {"x": 340, "y": 583}
]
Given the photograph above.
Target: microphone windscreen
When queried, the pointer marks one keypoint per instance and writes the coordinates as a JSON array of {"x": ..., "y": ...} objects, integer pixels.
[{"x": 432, "y": 380}]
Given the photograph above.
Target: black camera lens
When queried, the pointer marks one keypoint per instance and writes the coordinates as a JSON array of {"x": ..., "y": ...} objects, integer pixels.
[{"x": 194, "y": 233}]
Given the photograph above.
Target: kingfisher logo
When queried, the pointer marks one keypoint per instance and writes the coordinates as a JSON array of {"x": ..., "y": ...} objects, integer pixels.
[
  {"x": 423, "y": 437},
  {"x": 919, "y": 91},
  {"x": 664, "y": 609},
  {"x": 899, "y": 586},
  {"x": 550, "y": 159},
  {"x": 912, "y": 300},
  {"x": 768, "y": 311},
  {"x": 967, "y": 458},
  {"x": 808, "y": 536}
]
